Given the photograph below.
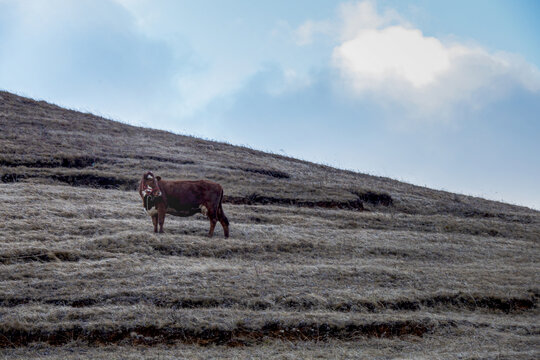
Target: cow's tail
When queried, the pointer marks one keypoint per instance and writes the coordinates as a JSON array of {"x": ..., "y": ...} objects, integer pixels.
[{"x": 221, "y": 214}]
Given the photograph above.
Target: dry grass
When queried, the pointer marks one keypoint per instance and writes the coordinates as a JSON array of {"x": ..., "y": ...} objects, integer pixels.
[{"x": 431, "y": 275}]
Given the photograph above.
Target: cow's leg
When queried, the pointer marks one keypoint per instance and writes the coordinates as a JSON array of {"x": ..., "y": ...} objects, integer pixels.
[
  {"x": 212, "y": 216},
  {"x": 161, "y": 219},
  {"x": 213, "y": 223},
  {"x": 155, "y": 222},
  {"x": 223, "y": 220}
]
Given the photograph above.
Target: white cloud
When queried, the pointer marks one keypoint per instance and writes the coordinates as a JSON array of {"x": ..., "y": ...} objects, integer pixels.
[
  {"x": 422, "y": 73},
  {"x": 381, "y": 55},
  {"x": 393, "y": 52}
]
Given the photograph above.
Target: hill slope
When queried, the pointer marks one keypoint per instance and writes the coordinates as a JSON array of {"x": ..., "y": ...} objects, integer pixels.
[{"x": 321, "y": 262}]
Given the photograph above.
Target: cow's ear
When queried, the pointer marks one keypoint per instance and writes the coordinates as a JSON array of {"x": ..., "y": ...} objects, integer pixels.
[{"x": 158, "y": 178}]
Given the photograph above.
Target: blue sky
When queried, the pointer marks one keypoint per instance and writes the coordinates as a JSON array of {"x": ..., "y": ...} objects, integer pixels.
[{"x": 436, "y": 93}]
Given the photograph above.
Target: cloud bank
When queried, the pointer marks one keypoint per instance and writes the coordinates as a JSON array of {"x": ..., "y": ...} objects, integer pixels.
[{"x": 383, "y": 57}]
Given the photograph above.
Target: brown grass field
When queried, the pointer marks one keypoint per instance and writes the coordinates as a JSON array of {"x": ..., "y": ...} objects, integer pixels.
[{"x": 321, "y": 263}]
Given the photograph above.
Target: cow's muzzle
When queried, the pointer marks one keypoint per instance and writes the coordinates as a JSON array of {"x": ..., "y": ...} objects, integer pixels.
[{"x": 149, "y": 191}]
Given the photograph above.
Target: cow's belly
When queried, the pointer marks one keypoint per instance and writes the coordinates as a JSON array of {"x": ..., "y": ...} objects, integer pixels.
[
  {"x": 187, "y": 211},
  {"x": 181, "y": 212}
]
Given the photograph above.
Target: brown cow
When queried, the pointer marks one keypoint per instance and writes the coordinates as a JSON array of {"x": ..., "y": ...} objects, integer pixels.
[{"x": 182, "y": 198}]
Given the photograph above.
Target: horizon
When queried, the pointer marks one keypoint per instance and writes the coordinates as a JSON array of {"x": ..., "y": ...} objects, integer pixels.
[{"x": 314, "y": 81}]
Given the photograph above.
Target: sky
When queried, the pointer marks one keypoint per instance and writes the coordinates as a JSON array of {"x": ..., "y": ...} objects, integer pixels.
[{"x": 444, "y": 94}]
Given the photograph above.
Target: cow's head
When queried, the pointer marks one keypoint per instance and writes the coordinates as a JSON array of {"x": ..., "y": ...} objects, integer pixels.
[{"x": 149, "y": 185}]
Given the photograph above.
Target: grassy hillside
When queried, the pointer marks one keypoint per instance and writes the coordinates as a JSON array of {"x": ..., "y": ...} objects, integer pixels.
[{"x": 321, "y": 262}]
